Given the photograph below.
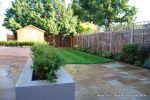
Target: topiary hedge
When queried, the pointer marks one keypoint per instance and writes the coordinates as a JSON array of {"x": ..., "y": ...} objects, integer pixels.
[
  {"x": 15, "y": 43},
  {"x": 46, "y": 62}
]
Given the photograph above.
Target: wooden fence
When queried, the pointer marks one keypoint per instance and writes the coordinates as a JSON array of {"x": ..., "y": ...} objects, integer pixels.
[
  {"x": 113, "y": 41},
  {"x": 60, "y": 41}
]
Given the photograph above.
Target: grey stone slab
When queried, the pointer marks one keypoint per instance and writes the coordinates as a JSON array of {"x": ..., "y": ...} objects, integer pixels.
[
  {"x": 124, "y": 73},
  {"x": 114, "y": 82},
  {"x": 3, "y": 72},
  {"x": 113, "y": 65}
]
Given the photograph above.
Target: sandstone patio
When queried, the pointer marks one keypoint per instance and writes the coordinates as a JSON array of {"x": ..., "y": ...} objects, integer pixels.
[{"x": 109, "y": 81}]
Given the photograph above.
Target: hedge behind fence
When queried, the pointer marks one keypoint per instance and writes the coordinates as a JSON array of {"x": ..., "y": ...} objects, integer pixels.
[{"x": 15, "y": 43}]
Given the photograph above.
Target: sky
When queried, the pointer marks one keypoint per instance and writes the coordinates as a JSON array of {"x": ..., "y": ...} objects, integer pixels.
[
  {"x": 143, "y": 9},
  {"x": 142, "y": 6}
]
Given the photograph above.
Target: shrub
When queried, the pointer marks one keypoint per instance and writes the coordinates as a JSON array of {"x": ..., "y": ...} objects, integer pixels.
[
  {"x": 76, "y": 46},
  {"x": 87, "y": 50},
  {"x": 105, "y": 54},
  {"x": 119, "y": 57},
  {"x": 46, "y": 61},
  {"x": 82, "y": 49},
  {"x": 130, "y": 52},
  {"x": 85, "y": 27},
  {"x": 138, "y": 62},
  {"x": 15, "y": 43}
]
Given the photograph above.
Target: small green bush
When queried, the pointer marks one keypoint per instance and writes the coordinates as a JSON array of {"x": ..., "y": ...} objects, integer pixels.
[
  {"x": 138, "y": 63},
  {"x": 76, "y": 46},
  {"x": 130, "y": 53},
  {"x": 15, "y": 43},
  {"x": 87, "y": 50},
  {"x": 105, "y": 54},
  {"x": 46, "y": 61},
  {"x": 82, "y": 49},
  {"x": 119, "y": 57}
]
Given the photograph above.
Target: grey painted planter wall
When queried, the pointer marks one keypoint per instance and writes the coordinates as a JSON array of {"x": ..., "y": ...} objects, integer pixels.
[{"x": 26, "y": 89}]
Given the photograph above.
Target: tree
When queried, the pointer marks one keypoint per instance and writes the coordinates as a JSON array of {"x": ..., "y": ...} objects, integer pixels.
[
  {"x": 50, "y": 15},
  {"x": 86, "y": 28},
  {"x": 104, "y": 12}
]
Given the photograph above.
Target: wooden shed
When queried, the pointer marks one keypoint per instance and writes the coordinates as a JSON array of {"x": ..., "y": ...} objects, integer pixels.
[{"x": 30, "y": 33}]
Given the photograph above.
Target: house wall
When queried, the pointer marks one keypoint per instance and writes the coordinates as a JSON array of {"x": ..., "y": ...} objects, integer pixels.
[
  {"x": 3, "y": 37},
  {"x": 30, "y": 34}
]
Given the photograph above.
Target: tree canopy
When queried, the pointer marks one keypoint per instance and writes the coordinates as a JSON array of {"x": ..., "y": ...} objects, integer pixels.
[
  {"x": 53, "y": 16},
  {"x": 104, "y": 12},
  {"x": 86, "y": 28}
]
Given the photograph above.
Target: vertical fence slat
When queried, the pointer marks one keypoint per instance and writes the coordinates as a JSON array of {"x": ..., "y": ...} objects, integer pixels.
[
  {"x": 132, "y": 34},
  {"x": 110, "y": 41}
]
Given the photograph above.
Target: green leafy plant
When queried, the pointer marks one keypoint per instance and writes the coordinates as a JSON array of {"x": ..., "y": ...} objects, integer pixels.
[
  {"x": 119, "y": 57},
  {"x": 15, "y": 43},
  {"x": 87, "y": 50},
  {"x": 86, "y": 28},
  {"x": 76, "y": 46},
  {"x": 138, "y": 63},
  {"x": 105, "y": 54},
  {"x": 130, "y": 52},
  {"x": 50, "y": 15},
  {"x": 107, "y": 11},
  {"x": 46, "y": 62}
]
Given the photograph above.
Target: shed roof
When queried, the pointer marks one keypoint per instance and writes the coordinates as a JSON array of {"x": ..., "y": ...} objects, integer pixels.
[{"x": 32, "y": 26}]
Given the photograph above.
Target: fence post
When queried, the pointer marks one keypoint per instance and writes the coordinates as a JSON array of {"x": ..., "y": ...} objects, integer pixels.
[
  {"x": 132, "y": 34},
  {"x": 110, "y": 41},
  {"x": 142, "y": 37},
  {"x": 77, "y": 40},
  {"x": 97, "y": 48},
  {"x": 88, "y": 41}
]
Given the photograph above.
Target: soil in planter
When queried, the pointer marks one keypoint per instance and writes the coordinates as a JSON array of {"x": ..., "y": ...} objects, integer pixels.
[{"x": 37, "y": 77}]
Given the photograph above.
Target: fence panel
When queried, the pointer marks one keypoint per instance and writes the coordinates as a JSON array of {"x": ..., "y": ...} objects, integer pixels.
[{"x": 114, "y": 41}]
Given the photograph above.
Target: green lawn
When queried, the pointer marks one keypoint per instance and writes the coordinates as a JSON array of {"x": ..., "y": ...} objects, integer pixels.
[{"x": 72, "y": 56}]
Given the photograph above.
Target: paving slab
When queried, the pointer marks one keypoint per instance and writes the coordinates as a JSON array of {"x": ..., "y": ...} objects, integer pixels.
[
  {"x": 15, "y": 51},
  {"x": 12, "y": 61},
  {"x": 110, "y": 81}
]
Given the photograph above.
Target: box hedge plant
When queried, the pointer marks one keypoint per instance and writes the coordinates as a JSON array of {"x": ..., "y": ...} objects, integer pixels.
[
  {"x": 15, "y": 43},
  {"x": 46, "y": 62}
]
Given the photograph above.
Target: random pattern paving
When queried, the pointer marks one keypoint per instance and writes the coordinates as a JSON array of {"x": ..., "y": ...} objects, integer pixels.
[
  {"x": 110, "y": 81},
  {"x": 10, "y": 69}
]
